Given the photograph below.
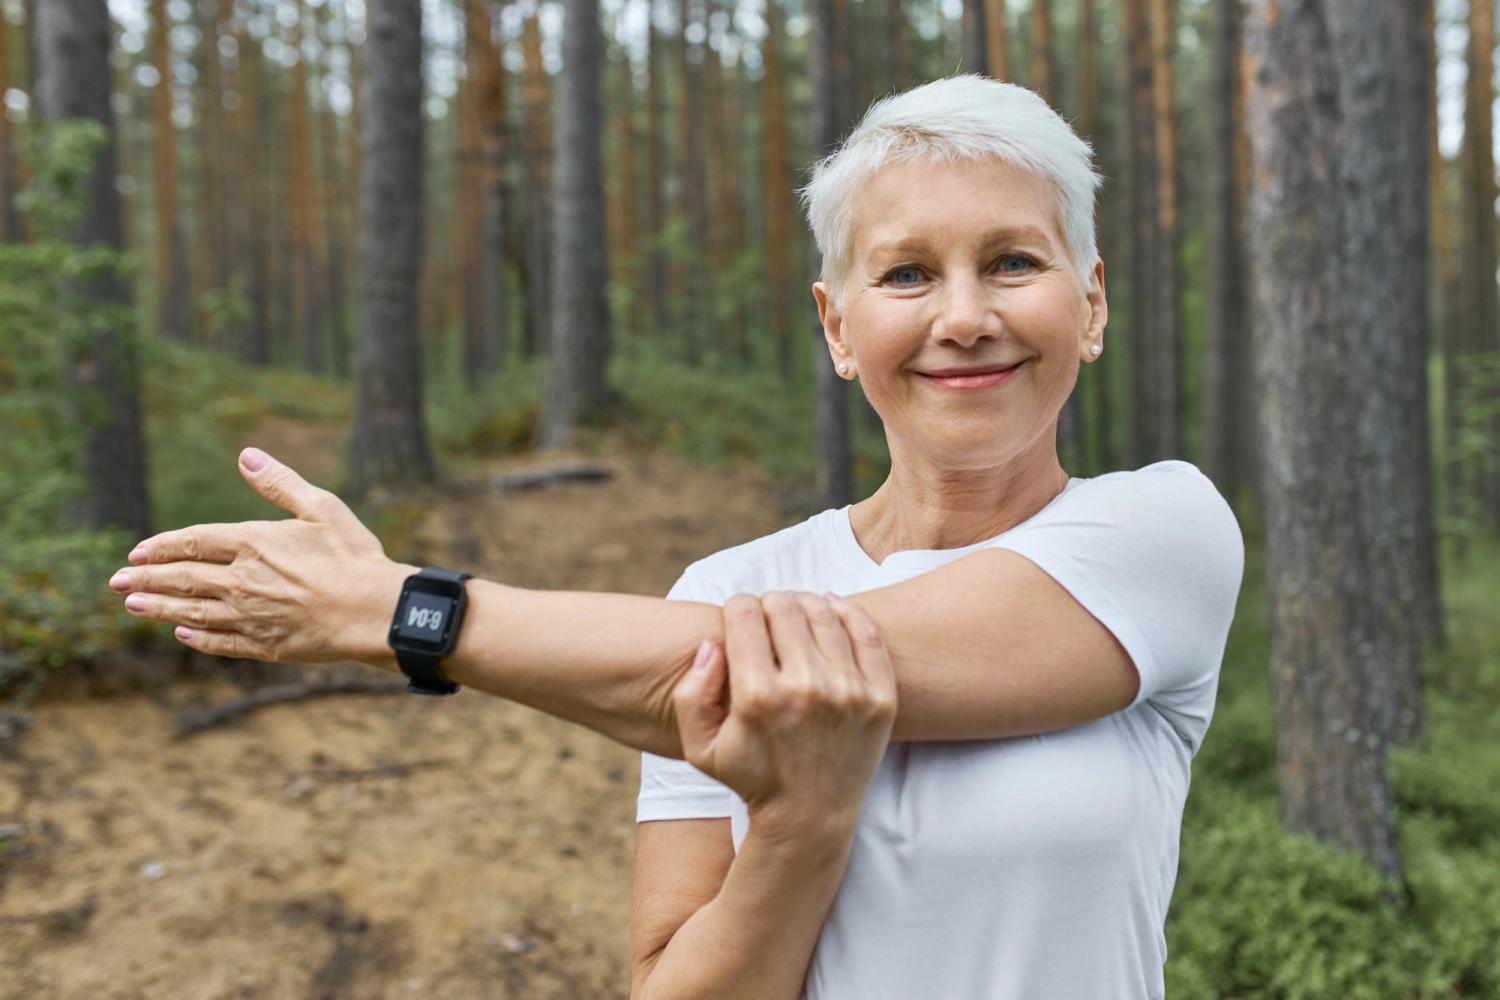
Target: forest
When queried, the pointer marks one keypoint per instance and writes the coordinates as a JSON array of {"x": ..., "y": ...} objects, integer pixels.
[{"x": 526, "y": 282}]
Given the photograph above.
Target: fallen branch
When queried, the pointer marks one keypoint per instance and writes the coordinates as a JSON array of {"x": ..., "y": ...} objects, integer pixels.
[
  {"x": 537, "y": 478},
  {"x": 196, "y": 722}
]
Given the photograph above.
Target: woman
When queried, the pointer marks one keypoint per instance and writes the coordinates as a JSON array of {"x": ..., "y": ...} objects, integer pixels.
[{"x": 966, "y": 778}]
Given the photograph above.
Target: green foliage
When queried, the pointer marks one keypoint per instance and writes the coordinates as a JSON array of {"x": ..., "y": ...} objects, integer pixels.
[
  {"x": 1258, "y": 912},
  {"x": 53, "y": 605}
]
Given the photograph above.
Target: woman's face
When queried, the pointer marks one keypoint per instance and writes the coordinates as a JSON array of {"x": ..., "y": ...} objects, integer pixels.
[{"x": 962, "y": 265}]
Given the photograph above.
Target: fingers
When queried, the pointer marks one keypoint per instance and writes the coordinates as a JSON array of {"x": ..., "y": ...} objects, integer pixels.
[
  {"x": 181, "y": 579},
  {"x": 871, "y": 654},
  {"x": 198, "y": 612},
  {"x": 828, "y": 631},
  {"x": 697, "y": 701},
  {"x": 232, "y": 644},
  {"x": 747, "y": 644},
  {"x": 198, "y": 542},
  {"x": 281, "y": 484},
  {"x": 791, "y": 637}
]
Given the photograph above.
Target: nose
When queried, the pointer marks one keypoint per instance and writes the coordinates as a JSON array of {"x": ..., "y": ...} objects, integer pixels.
[{"x": 965, "y": 313}]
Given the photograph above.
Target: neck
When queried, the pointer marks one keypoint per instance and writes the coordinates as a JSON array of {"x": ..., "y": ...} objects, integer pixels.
[{"x": 923, "y": 505}]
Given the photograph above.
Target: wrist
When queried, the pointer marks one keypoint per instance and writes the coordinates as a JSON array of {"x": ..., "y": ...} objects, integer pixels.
[
  {"x": 802, "y": 830},
  {"x": 368, "y": 639}
]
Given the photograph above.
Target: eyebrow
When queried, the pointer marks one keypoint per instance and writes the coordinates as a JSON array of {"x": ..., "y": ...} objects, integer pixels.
[{"x": 1005, "y": 234}]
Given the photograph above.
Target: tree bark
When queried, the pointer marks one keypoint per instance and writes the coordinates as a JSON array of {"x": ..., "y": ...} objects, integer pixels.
[
  {"x": 996, "y": 41},
  {"x": 1332, "y": 292},
  {"x": 829, "y": 81},
  {"x": 1141, "y": 329},
  {"x": 975, "y": 36},
  {"x": 536, "y": 262},
  {"x": 389, "y": 443},
  {"x": 1229, "y": 438},
  {"x": 171, "y": 259},
  {"x": 776, "y": 170},
  {"x": 73, "y": 81},
  {"x": 581, "y": 338},
  {"x": 1166, "y": 324}
]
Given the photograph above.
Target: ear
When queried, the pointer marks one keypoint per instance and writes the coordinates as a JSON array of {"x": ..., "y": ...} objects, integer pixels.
[
  {"x": 1098, "y": 311},
  {"x": 833, "y": 325}
]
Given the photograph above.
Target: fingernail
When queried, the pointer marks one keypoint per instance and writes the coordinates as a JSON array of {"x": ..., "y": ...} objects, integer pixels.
[
  {"x": 136, "y": 602},
  {"x": 120, "y": 581},
  {"x": 137, "y": 554},
  {"x": 701, "y": 660},
  {"x": 183, "y": 632},
  {"x": 253, "y": 459}
]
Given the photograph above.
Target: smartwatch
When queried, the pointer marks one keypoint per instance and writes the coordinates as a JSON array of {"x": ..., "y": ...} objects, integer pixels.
[{"x": 425, "y": 627}]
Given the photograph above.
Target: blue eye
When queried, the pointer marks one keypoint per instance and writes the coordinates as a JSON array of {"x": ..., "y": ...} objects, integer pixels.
[
  {"x": 1022, "y": 259},
  {"x": 895, "y": 274}
]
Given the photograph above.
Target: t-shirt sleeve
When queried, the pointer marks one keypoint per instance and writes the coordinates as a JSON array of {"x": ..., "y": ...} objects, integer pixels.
[
  {"x": 675, "y": 789},
  {"x": 1157, "y": 556}
]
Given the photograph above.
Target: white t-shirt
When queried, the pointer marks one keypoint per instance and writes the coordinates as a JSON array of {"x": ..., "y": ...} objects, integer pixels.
[{"x": 1033, "y": 868}]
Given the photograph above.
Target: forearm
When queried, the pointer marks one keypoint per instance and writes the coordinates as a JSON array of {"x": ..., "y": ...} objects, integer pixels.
[
  {"x": 756, "y": 937},
  {"x": 605, "y": 661}
]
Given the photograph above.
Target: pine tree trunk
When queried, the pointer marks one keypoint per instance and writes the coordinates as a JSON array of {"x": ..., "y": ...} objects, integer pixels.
[
  {"x": 997, "y": 42},
  {"x": 1332, "y": 293},
  {"x": 253, "y": 126},
  {"x": 171, "y": 259},
  {"x": 897, "y": 57},
  {"x": 536, "y": 262},
  {"x": 10, "y": 218},
  {"x": 73, "y": 81},
  {"x": 1167, "y": 319},
  {"x": 1229, "y": 438},
  {"x": 1043, "y": 57},
  {"x": 975, "y": 36},
  {"x": 580, "y": 313},
  {"x": 1141, "y": 330},
  {"x": 777, "y": 188},
  {"x": 655, "y": 210},
  {"x": 835, "y": 467},
  {"x": 497, "y": 197},
  {"x": 389, "y": 443}
]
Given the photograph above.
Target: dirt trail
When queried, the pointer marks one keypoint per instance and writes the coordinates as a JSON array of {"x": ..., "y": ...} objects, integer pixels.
[{"x": 282, "y": 856}]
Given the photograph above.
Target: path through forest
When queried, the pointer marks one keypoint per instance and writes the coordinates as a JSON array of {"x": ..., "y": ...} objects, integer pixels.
[{"x": 356, "y": 845}]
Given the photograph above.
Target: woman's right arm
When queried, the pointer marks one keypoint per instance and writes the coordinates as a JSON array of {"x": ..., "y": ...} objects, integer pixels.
[
  {"x": 755, "y": 938},
  {"x": 798, "y": 740}
]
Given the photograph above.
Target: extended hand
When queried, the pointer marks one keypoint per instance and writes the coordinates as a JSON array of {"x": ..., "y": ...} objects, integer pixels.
[
  {"x": 812, "y": 699},
  {"x": 311, "y": 588}
]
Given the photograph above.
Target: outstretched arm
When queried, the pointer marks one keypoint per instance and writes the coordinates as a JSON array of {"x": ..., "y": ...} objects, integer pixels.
[{"x": 985, "y": 647}]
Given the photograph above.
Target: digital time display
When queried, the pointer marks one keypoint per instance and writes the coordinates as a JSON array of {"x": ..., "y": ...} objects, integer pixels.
[{"x": 425, "y": 615}]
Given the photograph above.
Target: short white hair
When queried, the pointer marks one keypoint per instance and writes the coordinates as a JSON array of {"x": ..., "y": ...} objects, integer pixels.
[{"x": 958, "y": 117}]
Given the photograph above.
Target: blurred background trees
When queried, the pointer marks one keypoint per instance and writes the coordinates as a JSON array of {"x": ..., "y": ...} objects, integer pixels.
[{"x": 460, "y": 227}]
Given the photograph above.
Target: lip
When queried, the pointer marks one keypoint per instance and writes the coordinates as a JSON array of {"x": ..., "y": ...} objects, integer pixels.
[{"x": 972, "y": 378}]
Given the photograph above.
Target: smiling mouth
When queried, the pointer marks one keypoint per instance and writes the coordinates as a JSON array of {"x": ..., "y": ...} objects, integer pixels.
[{"x": 975, "y": 378}]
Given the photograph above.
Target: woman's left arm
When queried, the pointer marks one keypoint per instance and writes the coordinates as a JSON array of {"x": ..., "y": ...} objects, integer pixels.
[{"x": 319, "y": 587}]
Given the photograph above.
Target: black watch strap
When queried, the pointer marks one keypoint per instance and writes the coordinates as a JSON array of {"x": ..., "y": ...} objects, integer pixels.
[{"x": 424, "y": 672}]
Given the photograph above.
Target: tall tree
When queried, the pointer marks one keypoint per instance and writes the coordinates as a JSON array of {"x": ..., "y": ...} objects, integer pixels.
[
  {"x": 335, "y": 205},
  {"x": 536, "y": 162},
  {"x": 252, "y": 126},
  {"x": 10, "y": 219},
  {"x": 580, "y": 313},
  {"x": 1094, "y": 378},
  {"x": 1043, "y": 53},
  {"x": 171, "y": 257},
  {"x": 1229, "y": 438},
  {"x": 975, "y": 35},
  {"x": 73, "y": 81},
  {"x": 495, "y": 178},
  {"x": 1332, "y": 292},
  {"x": 997, "y": 41},
  {"x": 689, "y": 210},
  {"x": 628, "y": 227},
  {"x": 1140, "y": 329},
  {"x": 305, "y": 217},
  {"x": 389, "y": 442},
  {"x": 897, "y": 55},
  {"x": 655, "y": 177},
  {"x": 830, "y": 87},
  {"x": 776, "y": 181},
  {"x": 1477, "y": 326},
  {"x": 1167, "y": 350}
]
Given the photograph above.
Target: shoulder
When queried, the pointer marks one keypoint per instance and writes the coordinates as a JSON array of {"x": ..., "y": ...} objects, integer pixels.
[{"x": 1172, "y": 494}]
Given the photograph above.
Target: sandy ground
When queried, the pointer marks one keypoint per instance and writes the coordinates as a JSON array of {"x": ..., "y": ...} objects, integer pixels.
[{"x": 354, "y": 845}]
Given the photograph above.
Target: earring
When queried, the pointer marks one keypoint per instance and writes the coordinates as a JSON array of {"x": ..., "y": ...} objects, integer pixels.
[
  {"x": 1095, "y": 349},
  {"x": 843, "y": 368}
]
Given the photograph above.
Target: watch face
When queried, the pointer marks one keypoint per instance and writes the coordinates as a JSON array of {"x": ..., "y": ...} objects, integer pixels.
[{"x": 424, "y": 617}]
